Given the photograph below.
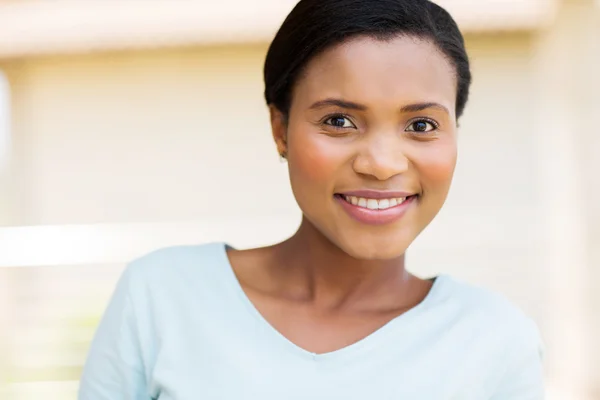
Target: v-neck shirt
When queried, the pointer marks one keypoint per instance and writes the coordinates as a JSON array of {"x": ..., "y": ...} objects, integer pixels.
[{"x": 179, "y": 326}]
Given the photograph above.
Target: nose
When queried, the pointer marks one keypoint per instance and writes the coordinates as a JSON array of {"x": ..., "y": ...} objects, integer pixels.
[{"x": 381, "y": 157}]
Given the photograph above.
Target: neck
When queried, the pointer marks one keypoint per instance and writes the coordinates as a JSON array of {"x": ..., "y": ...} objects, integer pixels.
[{"x": 313, "y": 269}]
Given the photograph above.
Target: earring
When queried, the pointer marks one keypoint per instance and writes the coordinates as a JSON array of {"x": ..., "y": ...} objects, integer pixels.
[{"x": 282, "y": 158}]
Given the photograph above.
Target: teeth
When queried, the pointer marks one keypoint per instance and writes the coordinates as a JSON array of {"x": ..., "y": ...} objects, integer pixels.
[{"x": 374, "y": 204}]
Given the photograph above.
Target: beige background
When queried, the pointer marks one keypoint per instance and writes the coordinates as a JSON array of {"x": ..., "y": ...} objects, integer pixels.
[{"x": 161, "y": 144}]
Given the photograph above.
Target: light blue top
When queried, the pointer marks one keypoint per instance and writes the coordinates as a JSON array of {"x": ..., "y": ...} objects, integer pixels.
[{"x": 180, "y": 327}]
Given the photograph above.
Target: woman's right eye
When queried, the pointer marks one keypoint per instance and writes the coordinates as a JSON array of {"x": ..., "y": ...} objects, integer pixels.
[{"x": 339, "y": 122}]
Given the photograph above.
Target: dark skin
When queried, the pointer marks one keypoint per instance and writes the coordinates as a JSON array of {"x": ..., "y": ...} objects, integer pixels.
[{"x": 338, "y": 280}]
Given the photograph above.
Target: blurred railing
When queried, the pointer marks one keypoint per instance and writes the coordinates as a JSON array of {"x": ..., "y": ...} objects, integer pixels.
[
  {"x": 55, "y": 282},
  {"x": 54, "y": 314}
]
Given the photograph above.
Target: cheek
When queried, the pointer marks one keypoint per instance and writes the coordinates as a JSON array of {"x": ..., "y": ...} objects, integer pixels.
[
  {"x": 436, "y": 166},
  {"x": 313, "y": 158}
]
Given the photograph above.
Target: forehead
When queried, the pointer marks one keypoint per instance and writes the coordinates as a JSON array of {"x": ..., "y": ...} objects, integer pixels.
[{"x": 402, "y": 69}]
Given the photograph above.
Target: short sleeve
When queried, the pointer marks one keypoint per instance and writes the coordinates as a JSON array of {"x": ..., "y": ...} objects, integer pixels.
[
  {"x": 114, "y": 369},
  {"x": 524, "y": 377}
]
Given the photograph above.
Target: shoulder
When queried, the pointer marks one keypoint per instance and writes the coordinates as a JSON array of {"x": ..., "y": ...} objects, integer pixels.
[
  {"x": 495, "y": 316},
  {"x": 176, "y": 260},
  {"x": 176, "y": 269},
  {"x": 495, "y": 338}
]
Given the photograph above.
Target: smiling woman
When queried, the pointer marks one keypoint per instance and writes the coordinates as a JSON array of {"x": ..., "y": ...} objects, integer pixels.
[
  {"x": 383, "y": 125},
  {"x": 364, "y": 98}
]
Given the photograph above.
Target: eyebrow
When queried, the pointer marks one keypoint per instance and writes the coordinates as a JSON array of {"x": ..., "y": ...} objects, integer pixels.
[
  {"x": 416, "y": 107},
  {"x": 423, "y": 106},
  {"x": 339, "y": 103}
]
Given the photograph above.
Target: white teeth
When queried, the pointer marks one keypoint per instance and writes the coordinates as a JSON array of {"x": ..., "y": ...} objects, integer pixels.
[
  {"x": 374, "y": 204},
  {"x": 383, "y": 204}
]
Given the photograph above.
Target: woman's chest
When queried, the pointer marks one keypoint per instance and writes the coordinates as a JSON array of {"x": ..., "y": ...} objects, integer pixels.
[
  {"x": 215, "y": 353},
  {"x": 239, "y": 370}
]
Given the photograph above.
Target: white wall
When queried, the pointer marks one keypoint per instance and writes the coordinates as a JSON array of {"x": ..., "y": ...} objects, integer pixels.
[{"x": 148, "y": 137}]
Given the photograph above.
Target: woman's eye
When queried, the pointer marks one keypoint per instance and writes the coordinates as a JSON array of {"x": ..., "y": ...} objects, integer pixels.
[
  {"x": 339, "y": 121},
  {"x": 421, "y": 126}
]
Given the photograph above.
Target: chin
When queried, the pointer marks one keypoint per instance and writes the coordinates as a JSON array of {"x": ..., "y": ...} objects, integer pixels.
[{"x": 374, "y": 249}]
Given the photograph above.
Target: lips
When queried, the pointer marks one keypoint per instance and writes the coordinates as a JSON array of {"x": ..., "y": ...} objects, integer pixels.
[{"x": 376, "y": 208}]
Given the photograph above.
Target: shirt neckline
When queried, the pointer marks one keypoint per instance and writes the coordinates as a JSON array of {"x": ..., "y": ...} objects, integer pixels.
[{"x": 368, "y": 342}]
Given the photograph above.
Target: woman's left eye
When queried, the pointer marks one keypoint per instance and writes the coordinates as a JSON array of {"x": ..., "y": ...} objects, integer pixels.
[
  {"x": 339, "y": 121},
  {"x": 422, "y": 126}
]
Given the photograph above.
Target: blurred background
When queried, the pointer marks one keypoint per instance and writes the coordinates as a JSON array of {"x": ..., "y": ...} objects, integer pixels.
[{"x": 131, "y": 125}]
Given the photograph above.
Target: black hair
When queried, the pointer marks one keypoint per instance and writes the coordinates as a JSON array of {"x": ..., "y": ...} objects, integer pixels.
[{"x": 313, "y": 26}]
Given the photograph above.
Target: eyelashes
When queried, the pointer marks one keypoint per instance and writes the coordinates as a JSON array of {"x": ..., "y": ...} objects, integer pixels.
[
  {"x": 420, "y": 125},
  {"x": 339, "y": 121}
]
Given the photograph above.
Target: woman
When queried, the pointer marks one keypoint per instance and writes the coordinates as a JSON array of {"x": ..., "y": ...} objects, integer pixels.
[{"x": 364, "y": 98}]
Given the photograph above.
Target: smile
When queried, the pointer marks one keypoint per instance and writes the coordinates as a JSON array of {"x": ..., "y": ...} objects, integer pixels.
[
  {"x": 376, "y": 209},
  {"x": 374, "y": 204}
]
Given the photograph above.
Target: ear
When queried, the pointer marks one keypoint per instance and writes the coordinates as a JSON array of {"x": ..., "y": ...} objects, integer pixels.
[{"x": 279, "y": 130}]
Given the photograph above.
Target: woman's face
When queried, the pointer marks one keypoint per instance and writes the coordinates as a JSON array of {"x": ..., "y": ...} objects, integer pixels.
[{"x": 371, "y": 142}]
